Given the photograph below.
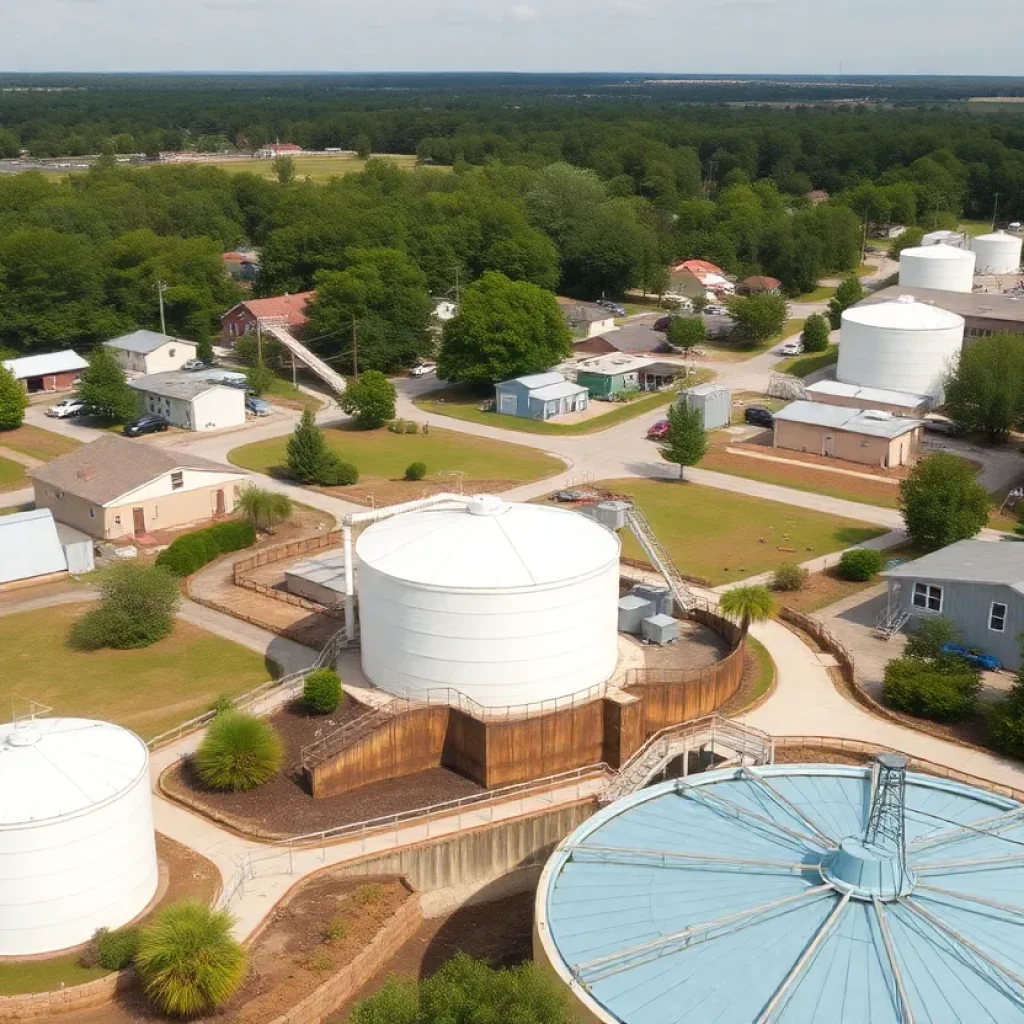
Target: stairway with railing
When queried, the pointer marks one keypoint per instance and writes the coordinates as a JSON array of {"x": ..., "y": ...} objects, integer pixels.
[
  {"x": 659, "y": 557},
  {"x": 277, "y": 329},
  {"x": 890, "y": 621}
]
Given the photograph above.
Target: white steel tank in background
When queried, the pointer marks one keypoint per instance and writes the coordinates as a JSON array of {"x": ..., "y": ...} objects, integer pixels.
[
  {"x": 506, "y": 603},
  {"x": 77, "y": 848},
  {"x": 900, "y": 346},
  {"x": 997, "y": 253},
  {"x": 937, "y": 266}
]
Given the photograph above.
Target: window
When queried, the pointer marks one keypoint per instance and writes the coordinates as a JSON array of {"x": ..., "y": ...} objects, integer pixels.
[
  {"x": 171, "y": 353},
  {"x": 928, "y": 597},
  {"x": 177, "y": 481},
  {"x": 92, "y": 513},
  {"x": 997, "y": 617}
]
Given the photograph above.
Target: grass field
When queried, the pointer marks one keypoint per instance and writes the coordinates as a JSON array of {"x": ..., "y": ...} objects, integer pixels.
[
  {"x": 379, "y": 453},
  {"x": 39, "y": 443},
  {"x": 286, "y": 393},
  {"x": 462, "y": 405},
  {"x": 12, "y": 475},
  {"x": 147, "y": 690},
  {"x": 765, "y": 668},
  {"x": 802, "y": 366},
  {"x": 45, "y": 975},
  {"x": 319, "y": 168},
  {"x": 722, "y": 537}
]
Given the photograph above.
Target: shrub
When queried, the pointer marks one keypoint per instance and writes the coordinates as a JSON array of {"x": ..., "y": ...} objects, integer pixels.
[
  {"x": 259, "y": 378},
  {"x": 238, "y": 753},
  {"x": 789, "y": 577},
  {"x": 319, "y": 962},
  {"x": 115, "y": 950},
  {"x": 334, "y": 931},
  {"x": 13, "y": 400},
  {"x": 333, "y": 472},
  {"x": 221, "y": 704},
  {"x": 942, "y": 689},
  {"x": 860, "y": 564},
  {"x": 928, "y": 639},
  {"x": 264, "y": 509},
  {"x": 188, "y": 961},
  {"x": 321, "y": 692},
  {"x": 234, "y": 535},
  {"x": 369, "y": 895},
  {"x": 415, "y": 471},
  {"x": 410, "y": 427},
  {"x": 816, "y": 333},
  {"x": 191, "y": 551},
  {"x": 1006, "y": 726}
]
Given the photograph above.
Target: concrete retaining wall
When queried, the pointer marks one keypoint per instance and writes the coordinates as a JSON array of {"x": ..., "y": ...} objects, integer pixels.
[{"x": 77, "y": 997}]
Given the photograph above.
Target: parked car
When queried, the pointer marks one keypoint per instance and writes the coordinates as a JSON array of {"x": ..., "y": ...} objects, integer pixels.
[
  {"x": 942, "y": 425},
  {"x": 988, "y": 662},
  {"x": 568, "y": 496},
  {"x": 148, "y": 424},
  {"x": 614, "y": 307},
  {"x": 716, "y": 310},
  {"x": 68, "y": 407},
  {"x": 759, "y": 416},
  {"x": 195, "y": 364},
  {"x": 423, "y": 370},
  {"x": 791, "y": 348},
  {"x": 257, "y": 406},
  {"x": 659, "y": 430}
]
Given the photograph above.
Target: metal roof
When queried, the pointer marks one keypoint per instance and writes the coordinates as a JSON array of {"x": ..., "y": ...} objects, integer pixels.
[
  {"x": 869, "y": 396},
  {"x": 841, "y": 417},
  {"x": 144, "y": 342},
  {"x": 533, "y": 381},
  {"x": 41, "y": 365},
  {"x": 905, "y": 314},
  {"x": 29, "y": 546},
  {"x": 969, "y": 561},
  {"x": 487, "y": 544},
  {"x": 728, "y": 898},
  {"x": 942, "y": 251},
  {"x": 175, "y": 384},
  {"x": 703, "y": 390},
  {"x": 53, "y": 767},
  {"x": 563, "y": 389},
  {"x": 976, "y": 305},
  {"x": 612, "y": 365}
]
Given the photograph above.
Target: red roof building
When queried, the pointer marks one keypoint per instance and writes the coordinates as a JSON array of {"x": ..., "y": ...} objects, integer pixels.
[
  {"x": 759, "y": 285},
  {"x": 699, "y": 267},
  {"x": 818, "y": 196},
  {"x": 287, "y": 309},
  {"x": 279, "y": 149}
]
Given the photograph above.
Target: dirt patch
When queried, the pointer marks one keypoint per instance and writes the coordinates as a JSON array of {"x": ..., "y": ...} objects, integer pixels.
[
  {"x": 190, "y": 875},
  {"x": 814, "y": 755},
  {"x": 284, "y": 807},
  {"x": 498, "y": 932},
  {"x": 698, "y": 647}
]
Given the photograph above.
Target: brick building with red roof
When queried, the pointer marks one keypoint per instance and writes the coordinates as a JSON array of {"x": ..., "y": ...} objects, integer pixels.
[{"x": 242, "y": 319}]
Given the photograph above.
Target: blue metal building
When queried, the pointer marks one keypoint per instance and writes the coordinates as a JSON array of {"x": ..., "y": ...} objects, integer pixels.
[{"x": 798, "y": 894}]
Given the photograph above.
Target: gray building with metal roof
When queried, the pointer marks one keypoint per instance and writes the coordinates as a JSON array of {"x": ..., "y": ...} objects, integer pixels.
[
  {"x": 984, "y": 313},
  {"x": 151, "y": 352},
  {"x": 977, "y": 584},
  {"x": 189, "y": 401}
]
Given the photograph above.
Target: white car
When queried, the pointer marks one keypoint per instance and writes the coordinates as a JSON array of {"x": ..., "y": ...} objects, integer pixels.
[
  {"x": 68, "y": 407},
  {"x": 791, "y": 348},
  {"x": 716, "y": 310},
  {"x": 423, "y": 370}
]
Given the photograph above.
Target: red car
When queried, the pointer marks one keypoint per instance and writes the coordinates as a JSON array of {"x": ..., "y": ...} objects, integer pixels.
[{"x": 659, "y": 431}]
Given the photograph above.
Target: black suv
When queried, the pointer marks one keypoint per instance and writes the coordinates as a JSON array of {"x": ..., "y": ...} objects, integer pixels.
[
  {"x": 759, "y": 416},
  {"x": 148, "y": 424}
]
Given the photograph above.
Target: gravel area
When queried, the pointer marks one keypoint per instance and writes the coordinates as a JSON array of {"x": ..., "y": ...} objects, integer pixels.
[{"x": 697, "y": 647}]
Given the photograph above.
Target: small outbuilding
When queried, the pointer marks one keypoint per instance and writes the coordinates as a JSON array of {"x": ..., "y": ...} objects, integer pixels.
[
  {"x": 714, "y": 402},
  {"x": 190, "y": 401},
  {"x": 587, "y": 317},
  {"x": 853, "y": 396},
  {"x": 30, "y": 549},
  {"x": 151, "y": 352},
  {"x": 609, "y": 375},
  {"x": 540, "y": 396},
  {"x": 54, "y": 371},
  {"x": 633, "y": 339},
  {"x": 977, "y": 584},
  {"x": 868, "y": 436}
]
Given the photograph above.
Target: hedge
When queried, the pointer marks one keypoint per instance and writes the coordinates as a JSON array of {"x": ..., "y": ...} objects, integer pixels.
[{"x": 191, "y": 551}]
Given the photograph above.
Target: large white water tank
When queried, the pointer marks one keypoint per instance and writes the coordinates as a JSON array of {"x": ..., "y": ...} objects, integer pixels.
[
  {"x": 901, "y": 346},
  {"x": 77, "y": 848},
  {"x": 505, "y": 603},
  {"x": 998, "y": 253},
  {"x": 937, "y": 266}
]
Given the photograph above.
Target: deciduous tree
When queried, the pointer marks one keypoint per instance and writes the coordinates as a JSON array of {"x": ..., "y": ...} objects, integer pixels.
[
  {"x": 104, "y": 387},
  {"x": 369, "y": 399},
  {"x": 13, "y": 400},
  {"x": 687, "y": 440},
  {"x": 686, "y": 333},
  {"x": 816, "y": 333},
  {"x": 759, "y": 317},
  {"x": 942, "y": 502},
  {"x": 985, "y": 390}
]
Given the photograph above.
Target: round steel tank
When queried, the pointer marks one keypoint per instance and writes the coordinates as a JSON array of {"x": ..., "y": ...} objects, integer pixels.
[
  {"x": 937, "y": 266},
  {"x": 790, "y": 894},
  {"x": 997, "y": 253},
  {"x": 901, "y": 346},
  {"x": 503, "y": 603},
  {"x": 77, "y": 848}
]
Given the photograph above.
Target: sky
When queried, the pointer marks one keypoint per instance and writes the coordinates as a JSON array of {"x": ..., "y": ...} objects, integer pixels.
[{"x": 945, "y": 37}]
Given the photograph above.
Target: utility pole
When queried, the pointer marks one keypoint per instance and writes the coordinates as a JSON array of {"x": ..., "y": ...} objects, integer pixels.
[
  {"x": 160, "y": 289},
  {"x": 355, "y": 348},
  {"x": 456, "y": 287},
  {"x": 995, "y": 211},
  {"x": 259, "y": 341}
]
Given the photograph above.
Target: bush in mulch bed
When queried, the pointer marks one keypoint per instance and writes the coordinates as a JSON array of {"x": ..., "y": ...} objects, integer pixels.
[
  {"x": 321, "y": 692},
  {"x": 238, "y": 753}
]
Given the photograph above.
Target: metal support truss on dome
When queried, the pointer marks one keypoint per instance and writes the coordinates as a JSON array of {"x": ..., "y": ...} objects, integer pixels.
[
  {"x": 986, "y": 827},
  {"x": 788, "y": 805},
  {"x": 906, "y": 1013},
  {"x": 673, "y": 859}
]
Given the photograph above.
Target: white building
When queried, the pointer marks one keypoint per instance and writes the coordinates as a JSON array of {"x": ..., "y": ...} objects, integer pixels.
[
  {"x": 30, "y": 548},
  {"x": 151, "y": 352},
  {"x": 190, "y": 402}
]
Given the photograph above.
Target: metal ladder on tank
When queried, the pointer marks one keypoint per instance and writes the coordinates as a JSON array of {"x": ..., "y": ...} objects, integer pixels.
[{"x": 659, "y": 556}]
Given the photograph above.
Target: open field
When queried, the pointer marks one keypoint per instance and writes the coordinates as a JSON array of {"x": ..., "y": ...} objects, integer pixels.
[
  {"x": 39, "y": 443},
  {"x": 384, "y": 455},
  {"x": 12, "y": 475},
  {"x": 319, "y": 168},
  {"x": 284, "y": 392},
  {"x": 722, "y": 537},
  {"x": 147, "y": 690},
  {"x": 819, "y": 294},
  {"x": 803, "y": 366}
]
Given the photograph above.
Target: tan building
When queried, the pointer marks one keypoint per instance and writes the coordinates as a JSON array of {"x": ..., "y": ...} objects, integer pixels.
[
  {"x": 868, "y": 436},
  {"x": 115, "y": 488},
  {"x": 853, "y": 396}
]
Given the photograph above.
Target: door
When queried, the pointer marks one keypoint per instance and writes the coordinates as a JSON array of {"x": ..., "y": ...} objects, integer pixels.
[
  {"x": 828, "y": 445},
  {"x": 220, "y": 503},
  {"x": 508, "y": 404},
  {"x": 139, "y": 520}
]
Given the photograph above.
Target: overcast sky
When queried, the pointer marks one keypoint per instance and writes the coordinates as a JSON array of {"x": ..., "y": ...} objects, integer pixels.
[{"x": 954, "y": 37}]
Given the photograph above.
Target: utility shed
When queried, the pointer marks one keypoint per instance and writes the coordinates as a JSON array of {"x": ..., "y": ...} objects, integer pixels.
[
  {"x": 714, "y": 402},
  {"x": 190, "y": 401},
  {"x": 53, "y": 371},
  {"x": 868, "y": 436},
  {"x": 29, "y": 547},
  {"x": 977, "y": 584},
  {"x": 853, "y": 396},
  {"x": 151, "y": 352},
  {"x": 540, "y": 396}
]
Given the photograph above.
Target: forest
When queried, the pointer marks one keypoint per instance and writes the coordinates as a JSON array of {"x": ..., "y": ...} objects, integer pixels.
[{"x": 588, "y": 193}]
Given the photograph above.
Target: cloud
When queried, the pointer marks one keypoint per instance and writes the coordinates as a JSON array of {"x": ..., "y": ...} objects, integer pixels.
[{"x": 522, "y": 12}]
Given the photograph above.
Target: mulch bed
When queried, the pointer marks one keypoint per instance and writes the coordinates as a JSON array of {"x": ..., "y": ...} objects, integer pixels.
[{"x": 284, "y": 806}]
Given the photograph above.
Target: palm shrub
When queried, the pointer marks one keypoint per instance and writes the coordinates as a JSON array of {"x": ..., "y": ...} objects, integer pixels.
[
  {"x": 748, "y": 605},
  {"x": 860, "y": 564},
  {"x": 188, "y": 961},
  {"x": 263, "y": 508},
  {"x": 789, "y": 577},
  {"x": 238, "y": 752},
  {"x": 321, "y": 692},
  {"x": 416, "y": 471}
]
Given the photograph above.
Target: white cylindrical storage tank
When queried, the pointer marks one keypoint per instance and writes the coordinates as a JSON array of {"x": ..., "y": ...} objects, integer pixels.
[
  {"x": 937, "y": 266},
  {"x": 997, "y": 253},
  {"x": 900, "y": 346},
  {"x": 77, "y": 848},
  {"x": 505, "y": 603}
]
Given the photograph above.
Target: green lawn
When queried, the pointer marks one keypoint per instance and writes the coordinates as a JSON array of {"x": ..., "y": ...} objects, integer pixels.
[
  {"x": 802, "y": 366},
  {"x": 819, "y": 294},
  {"x": 39, "y": 443},
  {"x": 462, "y": 405},
  {"x": 12, "y": 475},
  {"x": 319, "y": 168},
  {"x": 379, "y": 453},
  {"x": 45, "y": 975},
  {"x": 722, "y": 537},
  {"x": 147, "y": 690},
  {"x": 287, "y": 393},
  {"x": 765, "y": 668}
]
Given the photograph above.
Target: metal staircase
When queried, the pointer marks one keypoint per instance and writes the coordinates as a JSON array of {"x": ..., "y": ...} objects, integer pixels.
[
  {"x": 277, "y": 329},
  {"x": 890, "y": 621},
  {"x": 735, "y": 743},
  {"x": 660, "y": 558}
]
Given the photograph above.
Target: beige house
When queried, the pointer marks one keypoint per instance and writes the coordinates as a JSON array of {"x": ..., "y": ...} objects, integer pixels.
[
  {"x": 115, "y": 488},
  {"x": 868, "y": 436},
  {"x": 150, "y": 352}
]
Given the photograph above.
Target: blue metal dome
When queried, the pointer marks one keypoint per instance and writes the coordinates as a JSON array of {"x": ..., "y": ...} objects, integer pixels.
[{"x": 798, "y": 894}]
